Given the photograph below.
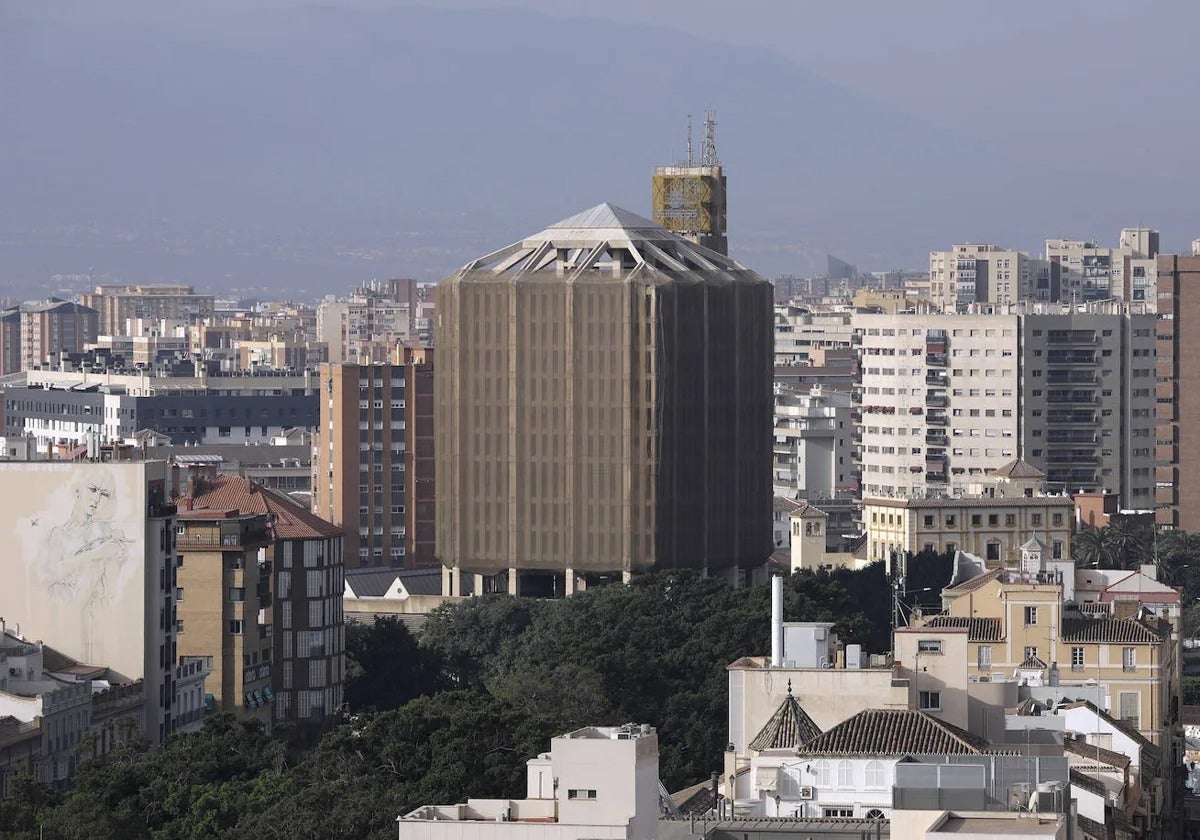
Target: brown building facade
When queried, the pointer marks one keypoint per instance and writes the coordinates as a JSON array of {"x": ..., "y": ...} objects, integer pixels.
[
  {"x": 45, "y": 329},
  {"x": 1177, "y": 501},
  {"x": 604, "y": 404},
  {"x": 373, "y": 469}
]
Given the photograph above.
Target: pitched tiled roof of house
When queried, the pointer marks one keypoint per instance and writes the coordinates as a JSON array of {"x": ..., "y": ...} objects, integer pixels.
[
  {"x": 1032, "y": 663},
  {"x": 973, "y": 584},
  {"x": 1018, "y": 469},
  {"x": 1110, "y": 631},
  {"x": 1083, "y": 780},
  {"x": 289, "y": 520},
  {"x": 790, "y": 727},
  {"x": 895, "y": 732},
  {"x": 1083, "y": 749},
  {"x": 978, "y": 629}
]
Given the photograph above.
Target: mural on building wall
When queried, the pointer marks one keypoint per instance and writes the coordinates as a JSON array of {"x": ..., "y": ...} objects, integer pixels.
[{"x": 81, "y": 538}]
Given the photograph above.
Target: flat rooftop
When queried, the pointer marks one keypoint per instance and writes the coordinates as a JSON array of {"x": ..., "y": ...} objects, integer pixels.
[{"x": 1035, "y": 825}]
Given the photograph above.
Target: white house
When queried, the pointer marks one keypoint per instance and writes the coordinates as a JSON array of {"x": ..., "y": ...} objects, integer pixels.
[{"x": 848, "y": 771}]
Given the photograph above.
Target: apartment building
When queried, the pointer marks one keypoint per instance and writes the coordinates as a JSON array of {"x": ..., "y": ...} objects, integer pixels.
[
  {"x": 1177, "y": 440},
  {"x": 969, "y": 274},
  {"x": 223, "y": 594},
  {"x": 117, "y": 304},
  {"x": 89, "y": 568},
  {"x": 603, "y": 405},
  {"x": 364, "y": 327},
  {"x": 73, "y": 407},
  {"x": 1081, "y": 270},
  {"x": 35, "y": 333},
  {"x": 813, "y": 448},
  {"x": 800, "y": 329},
  {"x": 302, "y": 605},
  {"x": 947, "y": 398},
  {"x": 373, "y": 468},
  {"x": 1021, "y": 621},
  {"x": 993, "y": 528}
]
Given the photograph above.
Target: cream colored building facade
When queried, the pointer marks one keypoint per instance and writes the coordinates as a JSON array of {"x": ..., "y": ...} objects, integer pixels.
[
  {"x": 1018, "y": 627},
  {"x": 991, "y": 528},
  {"x": 1082, "y": 270},
  {"x": 946, "y": 398},
  {"x": 968, "y": 274}
]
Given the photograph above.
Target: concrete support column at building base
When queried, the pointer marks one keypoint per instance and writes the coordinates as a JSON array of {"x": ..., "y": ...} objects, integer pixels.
[
  {"x": 512, "y": 581},
  {"x": 626, "y": 576},
  {"x": 478, "y": 590},
  {"x": 569, "y": 583},
  {"x": 452, "y": 581}
]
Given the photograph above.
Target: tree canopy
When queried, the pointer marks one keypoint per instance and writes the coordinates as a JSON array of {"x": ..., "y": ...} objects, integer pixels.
[{"x": 458, "y": 711}]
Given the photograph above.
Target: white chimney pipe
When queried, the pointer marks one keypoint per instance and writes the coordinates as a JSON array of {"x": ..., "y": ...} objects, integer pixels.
[{"x": 776, "y": 621}]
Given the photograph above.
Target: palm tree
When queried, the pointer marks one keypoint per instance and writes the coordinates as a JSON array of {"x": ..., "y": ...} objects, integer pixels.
[{"x": 1095, "y": 547}]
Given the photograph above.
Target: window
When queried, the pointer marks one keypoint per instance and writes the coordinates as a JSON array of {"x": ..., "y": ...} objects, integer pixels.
[
  {"x": 237, "y": 594},
  {"x": 1030, "y": 616},
  {"x": 1035, "y": 519},
  {"x": 875, "y": 774},
  {"x": 1031, "y": 652},
  {"x": 1076, "y": 659},
  {"x": 845, "y": 772},
  {"x": 235, "y": 627},
  {"x": 1130, "y": 701},
  {"x": 821, "y": 773},
  {"x": 985, "y": 657},
  {"x": 929, "y": 701},
  {"x": 929, "y": 646},
  {"x": 1057, "y": 519},
  {"x": 929, "y": 521},
  {"x": 581, "y": 793},
  {"x": 1129, "y": 659},
  {"x": 837, "y": 812}
]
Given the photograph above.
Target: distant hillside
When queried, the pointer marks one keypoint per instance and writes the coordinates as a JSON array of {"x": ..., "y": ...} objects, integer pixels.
[{"x": 320, "y": 146}]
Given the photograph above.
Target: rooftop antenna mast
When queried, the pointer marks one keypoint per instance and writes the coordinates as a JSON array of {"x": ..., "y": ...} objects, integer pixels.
[
  {"x": 689, "y": 140},
  {"x": 709, "y": 155}
]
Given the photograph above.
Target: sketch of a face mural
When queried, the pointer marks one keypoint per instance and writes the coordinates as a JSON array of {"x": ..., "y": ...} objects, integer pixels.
[{"x": 84, "y": 554}]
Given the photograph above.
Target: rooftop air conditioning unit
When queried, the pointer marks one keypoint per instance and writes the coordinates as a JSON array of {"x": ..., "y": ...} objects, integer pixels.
[{"x": 807, "y": 792}]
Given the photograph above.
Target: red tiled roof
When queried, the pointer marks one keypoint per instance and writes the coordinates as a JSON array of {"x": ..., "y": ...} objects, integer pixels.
[
  {"x": 1109, "y": 631},
  {"x": 978, "y": 629},
  {"x": 895, "y": 732},
  {"x": 289, "y": 520}
]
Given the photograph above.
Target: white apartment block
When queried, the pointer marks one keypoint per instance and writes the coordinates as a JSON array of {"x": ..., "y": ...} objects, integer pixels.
[
  {"x": 947, "y": 398},
  {"x": 1082, "y": 271},
  {"x": 798, "y": 329},
  {"x": 813, "y": 449},
  {"x": 969, "y": 274}
]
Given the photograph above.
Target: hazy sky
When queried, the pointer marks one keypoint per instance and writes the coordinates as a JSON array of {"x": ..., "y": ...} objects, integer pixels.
[{"x": 1011, "y": 122}]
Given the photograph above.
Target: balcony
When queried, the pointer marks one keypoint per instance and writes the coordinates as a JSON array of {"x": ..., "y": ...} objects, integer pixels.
[
  {"x": 1071, "y": 377},
  {"x": 161, "y": 510},
  {"x": 1070, "y": 398},
  {"x": 1071, "y": 337},
  {"x": 936, "y": 439},
  {"x": 937, "y": 400},
  {"x": 936, "y": 359},
  {"x": 1090, "y": 459},
  {"x": 1071, "y": 418},
  {"x": 1071, "y": 357},
  {"x": 937, "y": 418},
  {"x": 1059, "y": 438},
  {"x": 938, "y": 380}
]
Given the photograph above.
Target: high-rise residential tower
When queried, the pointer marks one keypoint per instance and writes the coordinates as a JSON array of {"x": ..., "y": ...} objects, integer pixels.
[
  {"x": 603, "y": 404},
  {"x": 1177, "y": 484},
  {"x": 373, "y": 458}
]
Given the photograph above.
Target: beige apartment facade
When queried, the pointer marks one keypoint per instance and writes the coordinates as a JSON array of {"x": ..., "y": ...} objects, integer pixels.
[
  {"x": 1018, "y": 627},
  {"x": 118, "y": 304},
  {"x": 603, "y": 405},
  {"x": 1081, "y": 270},
  {"x": 969, "y": 274},
  {"x": 223, "y": 600}
]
